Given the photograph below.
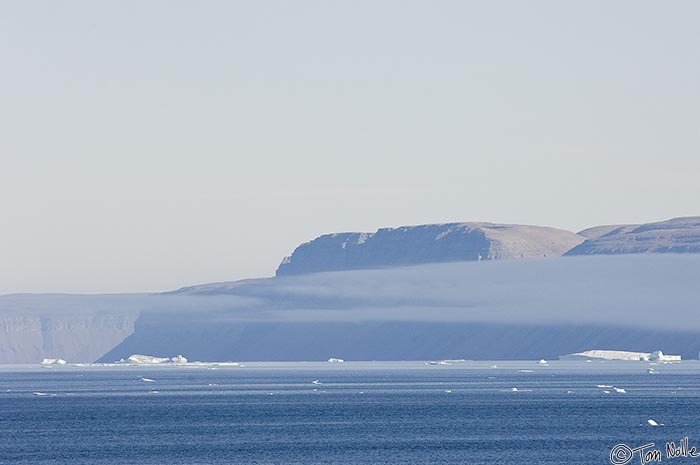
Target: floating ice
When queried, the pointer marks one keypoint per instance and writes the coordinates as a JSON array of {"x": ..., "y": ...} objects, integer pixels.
[
  {"x": 651, "y": 422},
  {"x": 152, "y": 360},
  {"x": 515, "y": 389},
  {"x": 603, "y": 355},
  {"x": 148, "y": 380},
  {"x": 316, "y": 381},
  {"x": 619, "y": 390},
  {"x": 336, "y": 360}
]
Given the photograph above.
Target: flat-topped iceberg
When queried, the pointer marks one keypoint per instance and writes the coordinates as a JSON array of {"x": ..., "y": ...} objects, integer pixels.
[
  {"x": 656, "y": 356},
  {"x": 53, "y": 361},
  {"x": 151, "y": 360}
]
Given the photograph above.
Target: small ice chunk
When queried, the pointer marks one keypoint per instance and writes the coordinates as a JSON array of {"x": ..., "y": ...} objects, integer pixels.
[
  {"x": 148, "y": 380},
  {"x": 651, "y": 422},
  {"x": 543, "y": 362},
  {"x": 336, "y": 360},
  {"x": 619, "y": 390},
  {"x": 316, "y": 381}
]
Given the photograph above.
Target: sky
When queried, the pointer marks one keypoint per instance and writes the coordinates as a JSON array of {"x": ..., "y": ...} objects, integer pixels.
[{"x": 146, "y": 146}]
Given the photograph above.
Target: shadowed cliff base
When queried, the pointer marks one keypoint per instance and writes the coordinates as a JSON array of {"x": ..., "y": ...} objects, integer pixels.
[{"x": 387, "y": 340}]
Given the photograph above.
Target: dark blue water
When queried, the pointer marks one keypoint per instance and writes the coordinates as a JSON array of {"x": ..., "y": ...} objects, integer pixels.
[{"x": 383, "y": 413}]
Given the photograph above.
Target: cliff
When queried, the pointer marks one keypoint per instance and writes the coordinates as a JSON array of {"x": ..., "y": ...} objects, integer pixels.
[
  {"x": 74, "y": 328},
  {"x": 678, "y": 235},
  {"x": 432, "y": 243}
]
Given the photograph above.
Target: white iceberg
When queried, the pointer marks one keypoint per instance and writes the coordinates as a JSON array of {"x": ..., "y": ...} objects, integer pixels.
[
  {"x": 336, "y": 360},
  {"x": 139, "y": 359},
  {"x": 659, "y": 356},
  {"x": 146, "y": 359},
  {"x": 621, "y": 355},
  {"x": 53, "y": 361}
]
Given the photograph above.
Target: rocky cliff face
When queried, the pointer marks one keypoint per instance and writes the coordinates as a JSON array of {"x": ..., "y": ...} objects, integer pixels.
[
  {"x": 502, "y": 309},
  {"x": 678, "y": 235},
  {"x": 74, "y": 328},
  {"x": 433, "y": 243}
]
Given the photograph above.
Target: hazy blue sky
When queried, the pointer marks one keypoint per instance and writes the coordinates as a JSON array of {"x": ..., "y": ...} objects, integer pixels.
[{"x": 148, "y": 145}]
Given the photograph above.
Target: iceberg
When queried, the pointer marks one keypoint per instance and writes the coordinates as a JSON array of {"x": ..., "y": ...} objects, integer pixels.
[
  {"x": 151, "y": 360},
  {"x": 146, "y": 359},
  {"x": 336, "y": 360},
  {"x": 659, "y": 356},
  {"x": 621, "y": 355},
  {"x": 53, "y": 361}
]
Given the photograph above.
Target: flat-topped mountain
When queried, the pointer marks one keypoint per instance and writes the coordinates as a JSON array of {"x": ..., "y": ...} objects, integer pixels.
[
  {"x": 431, "y": 243},
  {"x": 678, "y": 235}
]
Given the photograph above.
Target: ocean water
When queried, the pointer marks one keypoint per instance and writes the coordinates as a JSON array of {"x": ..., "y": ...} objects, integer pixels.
[{"x": 356, "y": 413}]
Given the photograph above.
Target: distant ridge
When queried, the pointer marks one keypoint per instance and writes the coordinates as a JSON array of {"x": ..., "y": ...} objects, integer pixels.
[
  {"x": 677, "y": 235},
  {"x": 430, "y": 243},
  {"x": 463, "y": 242}
]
